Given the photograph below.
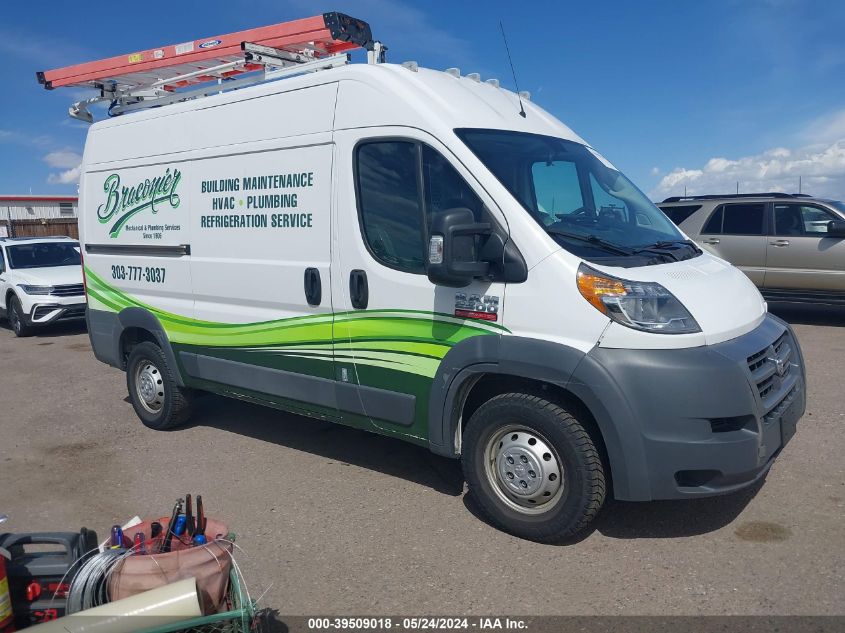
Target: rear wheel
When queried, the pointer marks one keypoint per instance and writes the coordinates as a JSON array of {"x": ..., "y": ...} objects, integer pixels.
[
  {"x": 157, "y": 399},
  {"x": 17, "y": 319},
  {"x": 532, "y": 467}
]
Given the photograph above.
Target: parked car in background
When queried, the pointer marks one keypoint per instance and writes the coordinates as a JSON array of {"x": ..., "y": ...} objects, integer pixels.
[
  {"x": 792, "y": 246},
  {"x": 40, "y": 282}
]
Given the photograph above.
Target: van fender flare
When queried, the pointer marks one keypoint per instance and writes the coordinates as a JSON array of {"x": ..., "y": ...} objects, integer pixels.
[
  {"x": 146, "y": 320},
  {"x": 106, "y": 331},
  {"x": 538, "y": 360}
]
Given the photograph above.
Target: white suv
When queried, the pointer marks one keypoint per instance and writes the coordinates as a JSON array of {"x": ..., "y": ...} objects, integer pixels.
[{"x": 40, "y": 282}]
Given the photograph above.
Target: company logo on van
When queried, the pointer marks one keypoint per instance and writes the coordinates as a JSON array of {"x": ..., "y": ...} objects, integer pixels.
[
  {"x": 122, "y": 203},
  {"x": 210, "y": 43}
]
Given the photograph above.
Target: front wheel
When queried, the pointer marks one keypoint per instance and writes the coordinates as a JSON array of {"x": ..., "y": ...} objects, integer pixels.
[
  {"x": 532, "y": 467},
  {"x": 157, "y": 399},
  {"x": 17, "y": 319}
]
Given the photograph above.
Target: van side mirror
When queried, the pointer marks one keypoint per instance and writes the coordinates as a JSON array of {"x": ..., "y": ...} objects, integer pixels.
[
  {"x": 836, "y": 228},
  {"x": 454, "y": 248}
]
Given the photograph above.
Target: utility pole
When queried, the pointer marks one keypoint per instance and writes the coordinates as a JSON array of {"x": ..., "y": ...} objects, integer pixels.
[
  {"x": 799, "y": 184},
  {"x": 737, "y": 187}
]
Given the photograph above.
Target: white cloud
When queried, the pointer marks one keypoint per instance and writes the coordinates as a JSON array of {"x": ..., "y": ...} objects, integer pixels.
[
  {"x": 819, "y": 161},
  {"x": 68, "y": 161},
  {"x": 68, "y": 177},
  {"x": 63, "y": 159},
  {"x": 655, "y": 171}
]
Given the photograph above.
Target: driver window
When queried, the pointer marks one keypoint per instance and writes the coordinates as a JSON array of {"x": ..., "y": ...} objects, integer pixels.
[
  {"x": 389, "y": 204},
  {"x": 394, "y": 212},
  {"x": 445, "y": 188},
  {"x": 2, "y": 262},
  {"x": 556, "y": 189}
]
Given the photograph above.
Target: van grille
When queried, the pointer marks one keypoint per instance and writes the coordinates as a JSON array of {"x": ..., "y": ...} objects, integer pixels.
[
  {"x": 771, "y": 365},
  {"x": 67, "y": 290},
  {"x": 782, "y": 406}
]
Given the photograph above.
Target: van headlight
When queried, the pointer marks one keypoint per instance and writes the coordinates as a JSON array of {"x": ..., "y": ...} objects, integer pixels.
[
  {"x": 642, "y": 305},
  {"x": 36, "y": 290}
]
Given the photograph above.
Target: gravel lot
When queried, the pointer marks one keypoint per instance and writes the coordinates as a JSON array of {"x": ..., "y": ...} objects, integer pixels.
[{"x": 344, "y": 522}]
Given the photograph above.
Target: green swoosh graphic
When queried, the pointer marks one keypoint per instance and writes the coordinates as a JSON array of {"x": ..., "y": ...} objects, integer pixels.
[{"x": 410, "y": 341}]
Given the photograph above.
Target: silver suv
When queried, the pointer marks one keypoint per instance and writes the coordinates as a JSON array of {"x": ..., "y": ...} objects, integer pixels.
[{"x": 792, "y": 246}]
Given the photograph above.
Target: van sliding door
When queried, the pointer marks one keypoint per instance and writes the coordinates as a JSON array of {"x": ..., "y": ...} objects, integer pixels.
[{"x": 261, "y": 275}]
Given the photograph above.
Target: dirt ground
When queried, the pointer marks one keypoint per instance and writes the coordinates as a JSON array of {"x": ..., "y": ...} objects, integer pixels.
[{"x": 337, "y": 521}]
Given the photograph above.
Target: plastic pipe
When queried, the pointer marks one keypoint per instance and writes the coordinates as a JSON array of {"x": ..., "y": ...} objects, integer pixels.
[{"x": 157, "y": 607}]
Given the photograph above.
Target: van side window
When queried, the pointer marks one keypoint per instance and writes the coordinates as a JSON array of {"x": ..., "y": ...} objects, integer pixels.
[
  {"x": 389, "y": 203},
  {"x": 737, "y": 219},
  {"x": 394, "y": 213}
]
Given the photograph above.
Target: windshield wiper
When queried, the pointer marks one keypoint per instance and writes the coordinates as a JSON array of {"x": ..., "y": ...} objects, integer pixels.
[
  {"x": 593, "y": 239},
  {"x": 669, "y": 248},
  {"x": 668, "y": 243}
]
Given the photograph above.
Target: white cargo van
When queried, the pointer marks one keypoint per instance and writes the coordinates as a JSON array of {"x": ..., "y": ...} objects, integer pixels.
[{"x": 431, "y": 257}]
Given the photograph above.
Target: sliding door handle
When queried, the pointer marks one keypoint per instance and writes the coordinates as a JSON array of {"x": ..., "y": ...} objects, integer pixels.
[
  {"x": 779, "y": 243},
  {"x": 359, "y": 291},
  {"x": 313, "y": 287}
]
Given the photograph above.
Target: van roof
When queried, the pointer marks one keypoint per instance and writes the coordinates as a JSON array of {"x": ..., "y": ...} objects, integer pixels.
[{"x": 418, "y": 97}]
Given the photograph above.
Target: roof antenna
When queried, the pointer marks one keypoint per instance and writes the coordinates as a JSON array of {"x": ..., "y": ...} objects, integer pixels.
[{"x": 513, "y": 72}]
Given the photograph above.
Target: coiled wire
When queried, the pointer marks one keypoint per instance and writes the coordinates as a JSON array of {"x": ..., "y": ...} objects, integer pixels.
[{"x": 89, "y": 587}]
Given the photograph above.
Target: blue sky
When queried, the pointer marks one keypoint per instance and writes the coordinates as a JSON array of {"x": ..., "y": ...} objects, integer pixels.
[{"x": 676, "y": 93}]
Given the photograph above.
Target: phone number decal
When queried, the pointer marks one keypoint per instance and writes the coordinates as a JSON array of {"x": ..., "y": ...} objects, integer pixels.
[{"x": 149, "y": 274}]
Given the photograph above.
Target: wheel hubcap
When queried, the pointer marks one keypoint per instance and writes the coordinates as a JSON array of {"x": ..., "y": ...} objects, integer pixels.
[
  {"x": 524, "y": 469},
  {"x": 149, "y": 386}
]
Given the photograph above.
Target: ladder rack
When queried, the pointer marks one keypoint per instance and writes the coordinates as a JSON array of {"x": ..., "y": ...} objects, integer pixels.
[{"x": 198, "y": 68}]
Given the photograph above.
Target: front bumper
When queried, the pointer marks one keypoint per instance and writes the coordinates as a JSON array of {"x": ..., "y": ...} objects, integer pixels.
[
  {"x": 700, "y": 421},
  {"x": 44, "y": 313}
]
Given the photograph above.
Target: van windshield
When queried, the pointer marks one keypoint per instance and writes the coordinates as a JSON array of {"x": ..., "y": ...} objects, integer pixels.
[
  {"x": 579, "y": 198},
  {"x": 44, "y": 255}
]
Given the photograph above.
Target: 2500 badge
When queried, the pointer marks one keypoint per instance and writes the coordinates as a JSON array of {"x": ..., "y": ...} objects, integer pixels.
[{"x": 149, "y": 274}]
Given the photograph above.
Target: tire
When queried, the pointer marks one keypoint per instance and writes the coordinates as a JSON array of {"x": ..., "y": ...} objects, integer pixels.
[
  {"x": 532, "y": 468},
  {"x": 17, "y": 319},
  {"x": 157, "y": 399}
]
